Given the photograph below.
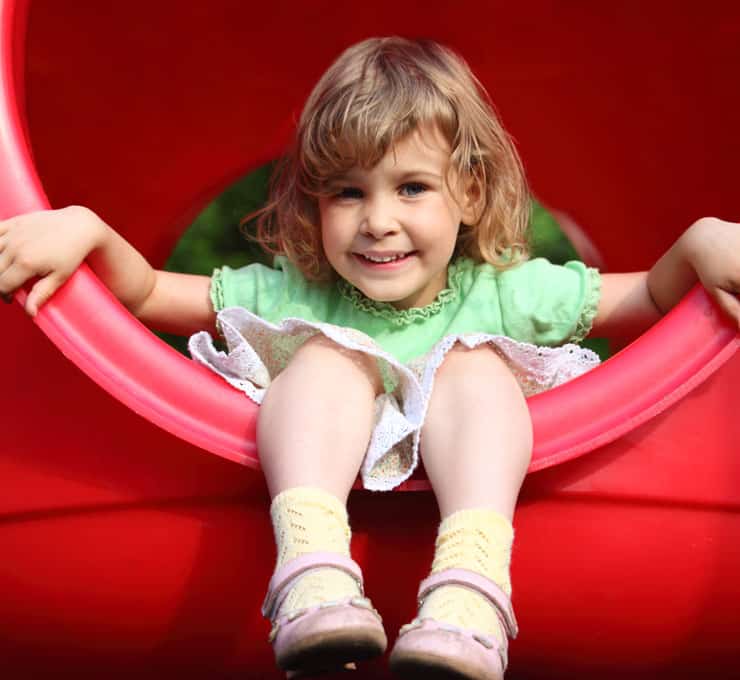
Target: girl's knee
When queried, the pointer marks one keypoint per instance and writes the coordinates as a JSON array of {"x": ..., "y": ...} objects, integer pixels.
[
  {"x": 478, "y": 377},
  {"x": 332, "y": 358},
  {"x": 477, "y": 397},
  {"x": 465, "y": 364}
]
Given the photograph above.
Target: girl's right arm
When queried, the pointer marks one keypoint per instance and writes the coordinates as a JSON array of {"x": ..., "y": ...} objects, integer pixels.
[{"x": 51, "y": 245}]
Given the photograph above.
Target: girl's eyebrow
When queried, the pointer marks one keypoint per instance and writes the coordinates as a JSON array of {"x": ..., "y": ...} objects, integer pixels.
[
  {"x": 418, "y": 174},
  {"x": 398, "y": 176}
]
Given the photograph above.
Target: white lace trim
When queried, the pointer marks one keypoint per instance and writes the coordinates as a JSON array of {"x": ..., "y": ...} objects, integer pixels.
[{"x": 258, "y": 350}]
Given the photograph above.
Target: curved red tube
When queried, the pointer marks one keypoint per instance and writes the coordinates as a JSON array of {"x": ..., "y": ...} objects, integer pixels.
[{"x": 151, "y": 379}]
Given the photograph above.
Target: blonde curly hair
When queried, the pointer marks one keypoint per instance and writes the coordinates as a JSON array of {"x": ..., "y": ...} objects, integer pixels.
[{"x": 377, "y": 92}]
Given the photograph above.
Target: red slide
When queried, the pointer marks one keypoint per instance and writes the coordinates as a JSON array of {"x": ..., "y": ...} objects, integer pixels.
[{"x": 126, "y": 545}]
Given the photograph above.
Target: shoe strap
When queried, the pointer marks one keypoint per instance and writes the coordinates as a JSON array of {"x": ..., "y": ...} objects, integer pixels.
[
  {"x": 283, "y": 578},
  {"x": 480, "y": 584}
]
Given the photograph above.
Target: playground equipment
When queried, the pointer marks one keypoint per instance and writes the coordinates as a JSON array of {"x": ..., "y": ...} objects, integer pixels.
[{"x": 124, "y": 546}]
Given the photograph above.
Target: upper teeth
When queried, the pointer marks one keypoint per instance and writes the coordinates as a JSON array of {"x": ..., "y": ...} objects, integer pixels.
[{"x": 389, "y": 258}]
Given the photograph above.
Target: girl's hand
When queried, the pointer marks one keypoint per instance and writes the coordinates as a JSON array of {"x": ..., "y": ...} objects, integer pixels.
[
  {"x": 49, "y": 245},
  {"x": 708, "y": 251},
  {"x": 712, "y": 248},
  {"x": 53, "y": 243}
]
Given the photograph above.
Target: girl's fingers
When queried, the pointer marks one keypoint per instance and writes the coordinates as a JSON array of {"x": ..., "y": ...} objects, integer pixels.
[
  {"x": 4, "y": 251},
  {"x": 41, "y": 291},
  {"x": 12, "y": 277},
  {"x": 5, "y": 262}
]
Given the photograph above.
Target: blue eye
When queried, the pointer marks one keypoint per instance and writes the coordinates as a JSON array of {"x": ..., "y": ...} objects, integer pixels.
[
  {"x": 413, "y": 188},
  {"x": 349, "y": 192}
]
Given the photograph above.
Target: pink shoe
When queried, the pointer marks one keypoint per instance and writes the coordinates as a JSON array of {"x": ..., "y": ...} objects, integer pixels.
[
  {"x": 428, "y": 649},
  {"x": 325, "y": 637}
]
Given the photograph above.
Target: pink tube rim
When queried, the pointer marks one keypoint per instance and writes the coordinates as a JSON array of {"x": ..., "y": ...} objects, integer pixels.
[{"x": 125, "y": 359}]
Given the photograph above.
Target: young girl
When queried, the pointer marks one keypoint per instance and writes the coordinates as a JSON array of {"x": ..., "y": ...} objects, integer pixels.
[{"x": 402, "y": 319}]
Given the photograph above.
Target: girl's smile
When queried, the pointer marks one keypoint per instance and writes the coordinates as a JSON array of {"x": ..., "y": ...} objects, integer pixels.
[
  {"x": 384, "y": 260},
  {"x": 391, "y": 230}
]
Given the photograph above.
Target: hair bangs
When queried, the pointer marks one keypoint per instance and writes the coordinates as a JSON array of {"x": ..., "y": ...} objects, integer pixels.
[{"x": 367, "y": 120}]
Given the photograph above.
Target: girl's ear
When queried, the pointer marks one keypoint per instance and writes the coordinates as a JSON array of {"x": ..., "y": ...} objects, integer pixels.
[{"x": 472, "y": 201}]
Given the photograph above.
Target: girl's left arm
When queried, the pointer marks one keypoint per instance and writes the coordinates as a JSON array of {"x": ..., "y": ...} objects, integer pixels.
[{"x": 708, "y": 251}]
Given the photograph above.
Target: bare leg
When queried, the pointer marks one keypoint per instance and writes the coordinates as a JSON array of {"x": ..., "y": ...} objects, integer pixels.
[
  {"x": 313, "y": 429},
  {"x": 316, "y": 419},
  {"x": 476, "y": 446},
  {"x": 477, "y": 441}
]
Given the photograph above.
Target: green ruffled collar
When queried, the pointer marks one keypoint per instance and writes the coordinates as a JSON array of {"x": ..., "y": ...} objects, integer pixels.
[{"x": 404, "y": 317}]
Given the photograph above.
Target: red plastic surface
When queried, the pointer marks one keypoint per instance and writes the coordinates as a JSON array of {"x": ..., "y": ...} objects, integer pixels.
[{"x": 124, "y": 547}]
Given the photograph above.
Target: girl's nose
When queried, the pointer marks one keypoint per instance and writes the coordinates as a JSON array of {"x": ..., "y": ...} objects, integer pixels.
[{"x": 378, "y": 220}]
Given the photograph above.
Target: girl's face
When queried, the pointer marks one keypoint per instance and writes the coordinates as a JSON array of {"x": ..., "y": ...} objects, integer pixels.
[{"x": 391, "y": 230}]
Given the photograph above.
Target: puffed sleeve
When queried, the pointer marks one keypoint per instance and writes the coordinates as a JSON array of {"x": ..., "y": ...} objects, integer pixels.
[
  {"x": 548, "y": 304},
  {"x": 255, "y": 287}
]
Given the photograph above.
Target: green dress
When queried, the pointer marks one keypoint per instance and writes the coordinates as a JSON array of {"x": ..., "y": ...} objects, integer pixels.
[{"x": 530, "y": 314}]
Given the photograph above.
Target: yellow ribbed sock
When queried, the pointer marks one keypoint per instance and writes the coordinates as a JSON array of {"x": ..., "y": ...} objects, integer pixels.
[
  {"x": 479, "y": 540},
  {"x": 305, "y": 520}
]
